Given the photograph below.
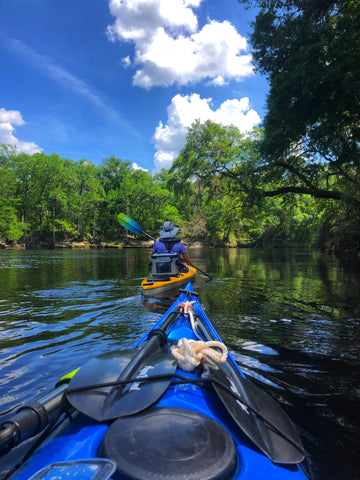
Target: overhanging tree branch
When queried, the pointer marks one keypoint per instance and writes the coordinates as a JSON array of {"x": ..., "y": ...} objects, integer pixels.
[{"x": 314, "y": 192}]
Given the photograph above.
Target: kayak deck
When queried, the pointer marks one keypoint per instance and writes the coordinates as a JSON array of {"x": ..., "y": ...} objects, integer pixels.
[
  {"x": 158, "y": 286},
  {"x": 172, "y": 437}
]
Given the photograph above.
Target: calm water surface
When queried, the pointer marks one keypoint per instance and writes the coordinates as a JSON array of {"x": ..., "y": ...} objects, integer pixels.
[{"x": 291, "y": 318}]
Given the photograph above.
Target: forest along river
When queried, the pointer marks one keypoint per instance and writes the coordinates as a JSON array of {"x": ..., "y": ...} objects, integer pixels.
[{"x": 291, "y": 318}]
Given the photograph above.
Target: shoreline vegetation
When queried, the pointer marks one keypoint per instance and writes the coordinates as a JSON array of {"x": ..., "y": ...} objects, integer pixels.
[
  {"x": 50, "y": 202},
  {"x": 136, "y": 243},
  {"x": 84, "y": 245}
]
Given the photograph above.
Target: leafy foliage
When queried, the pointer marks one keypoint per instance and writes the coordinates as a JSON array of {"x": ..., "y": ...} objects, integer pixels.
[
  {"x": 310, "y": 52},
  {"x": 221, "y": 190}
]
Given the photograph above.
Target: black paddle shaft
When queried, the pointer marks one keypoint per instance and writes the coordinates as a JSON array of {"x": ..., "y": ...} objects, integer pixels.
[{"x": 157, "y": 338}]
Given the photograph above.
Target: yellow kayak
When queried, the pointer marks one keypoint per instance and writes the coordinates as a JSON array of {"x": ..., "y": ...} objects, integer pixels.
[{"x": 155, "y": 286}]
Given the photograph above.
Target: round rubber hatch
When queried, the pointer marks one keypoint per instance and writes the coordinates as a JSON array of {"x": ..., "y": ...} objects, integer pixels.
[{"x": 171, "y": 444}]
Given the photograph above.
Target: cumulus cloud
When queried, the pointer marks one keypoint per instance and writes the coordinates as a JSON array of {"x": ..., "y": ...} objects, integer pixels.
[
  {"x": 126, "y": 62},
  {"x": 169, "y": 139},
  {"x": 135, "y": 166},
  {"x": 170, "y": 48},
  {"x": 136, "y": 20},
  {"x": 9, "y": 118}
]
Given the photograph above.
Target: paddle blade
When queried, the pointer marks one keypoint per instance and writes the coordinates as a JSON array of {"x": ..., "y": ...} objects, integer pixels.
[
  {"x": 104, "y": 403},
  {"x": 129, "y": 223},
  {"x": 281, "y": 444},
  {"x": 105, "y": 368}
]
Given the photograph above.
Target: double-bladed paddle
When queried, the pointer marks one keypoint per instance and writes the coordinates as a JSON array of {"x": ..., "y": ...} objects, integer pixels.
[
  {"x": 259, "y": 416},
  {"x": 134, "y": 227},
  {"x": 92, "y": 390}
]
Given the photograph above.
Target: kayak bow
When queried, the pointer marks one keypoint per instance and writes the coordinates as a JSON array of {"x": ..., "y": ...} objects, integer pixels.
[{"x": 174, "y": 407}]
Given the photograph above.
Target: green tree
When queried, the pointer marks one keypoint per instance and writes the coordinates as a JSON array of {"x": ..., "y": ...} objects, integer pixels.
[
  {"x": 46, "y": 190},
  {"x": 240, "y": 196},
  {"x": 11, "y": 228},
  {"x": 183, "y": 195},
  {"x": 45, "y": 176},
  {"x": 310, "y": 52},
  {"x": 151, "y": 202},
  {"x": 218, "y": 162},
  {"x": 114, "y": 175},
  {"x": 88, "y": 195},
  {"x": 65, "y": 203}
]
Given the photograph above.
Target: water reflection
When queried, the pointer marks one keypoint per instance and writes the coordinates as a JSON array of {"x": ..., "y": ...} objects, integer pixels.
[{"x": 291, "y": 319}]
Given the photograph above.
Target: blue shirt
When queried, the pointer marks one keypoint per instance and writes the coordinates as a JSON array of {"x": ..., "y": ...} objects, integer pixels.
[{"x": 178, "y": 247}]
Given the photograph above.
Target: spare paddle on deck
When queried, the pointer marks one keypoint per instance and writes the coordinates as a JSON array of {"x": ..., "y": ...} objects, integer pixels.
[
  {"x": 259, "y": 416},
  {"x": 90, "y": 391},
  {"x": 134, "y": 227},
  {"x": 277, "y": 437}
]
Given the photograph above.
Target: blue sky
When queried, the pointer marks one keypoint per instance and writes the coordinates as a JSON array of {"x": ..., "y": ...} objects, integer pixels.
[{"x": 96, "y": 78}]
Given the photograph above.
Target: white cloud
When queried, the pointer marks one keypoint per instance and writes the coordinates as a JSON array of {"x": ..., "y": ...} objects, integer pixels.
[
  {"x": 170, "y": 49},
  {"x": 135, "y": 166},
  {"x": 169, "y": 139},
  {"x": 136, "y": 20},
  {"x": 126, "y": 62},
  {"x": 8, "y": 118}
]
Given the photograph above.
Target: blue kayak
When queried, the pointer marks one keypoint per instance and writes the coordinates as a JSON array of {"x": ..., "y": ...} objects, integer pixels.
[{"x": 174, "y": 407}]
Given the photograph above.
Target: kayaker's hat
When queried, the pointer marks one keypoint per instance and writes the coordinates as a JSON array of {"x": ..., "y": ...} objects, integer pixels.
[{"x": 168, "y": 230}]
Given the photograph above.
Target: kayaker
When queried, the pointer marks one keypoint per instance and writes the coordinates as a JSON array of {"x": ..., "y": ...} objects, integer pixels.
[{"x": 168, "y": 243}]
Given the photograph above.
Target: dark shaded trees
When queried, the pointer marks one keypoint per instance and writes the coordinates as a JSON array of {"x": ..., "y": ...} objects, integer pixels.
[
  {"x": 240, "y": 193},
  {"x": 310, "y": 52}
]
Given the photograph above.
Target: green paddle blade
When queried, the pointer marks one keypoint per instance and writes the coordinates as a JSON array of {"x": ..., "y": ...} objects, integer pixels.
[
  {"x": 106, "y": 403},
  {"x": 129, "y": 223}
]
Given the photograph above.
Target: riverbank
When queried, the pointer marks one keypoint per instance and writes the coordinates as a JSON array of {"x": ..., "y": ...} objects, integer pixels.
[
  {"x": 43, "y": 245},
  {"x": 68, "y": 245},
  {"x": 135, "y": 243}
]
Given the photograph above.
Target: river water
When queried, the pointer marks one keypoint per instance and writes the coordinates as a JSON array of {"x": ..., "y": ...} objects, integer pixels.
[{"x": 290, "y": 317}]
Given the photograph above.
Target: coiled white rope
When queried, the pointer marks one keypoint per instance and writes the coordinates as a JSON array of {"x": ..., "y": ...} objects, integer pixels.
[{"x": 191, "y": 353}]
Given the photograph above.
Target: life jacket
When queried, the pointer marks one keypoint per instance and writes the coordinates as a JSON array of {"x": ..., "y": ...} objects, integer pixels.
[{"x": 169, "y": 243}]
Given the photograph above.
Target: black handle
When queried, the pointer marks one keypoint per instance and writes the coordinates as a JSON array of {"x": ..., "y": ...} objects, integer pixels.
[{"x": 31, "y": 419}]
